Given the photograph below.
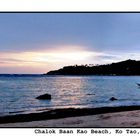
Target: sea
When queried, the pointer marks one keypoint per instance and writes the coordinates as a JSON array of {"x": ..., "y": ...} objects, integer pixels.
[{"x": 18, "y": 93}]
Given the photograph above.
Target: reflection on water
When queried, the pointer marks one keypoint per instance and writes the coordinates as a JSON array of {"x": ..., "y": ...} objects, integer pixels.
[{"x": 17, "y": 94}]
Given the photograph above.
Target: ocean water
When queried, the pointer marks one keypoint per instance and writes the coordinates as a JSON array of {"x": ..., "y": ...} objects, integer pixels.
[{"x": 18, "y": 94}]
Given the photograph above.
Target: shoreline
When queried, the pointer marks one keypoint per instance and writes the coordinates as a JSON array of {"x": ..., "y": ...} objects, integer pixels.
[
  {"x": 55, "y": 114},
  {"x": 126, "y": 119}
]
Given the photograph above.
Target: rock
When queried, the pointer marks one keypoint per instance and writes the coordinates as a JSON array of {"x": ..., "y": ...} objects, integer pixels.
[
  {"x": 113, "y": 99},
  {"x": 91, "y": 94},
  {"x": 44, "y": 97}
]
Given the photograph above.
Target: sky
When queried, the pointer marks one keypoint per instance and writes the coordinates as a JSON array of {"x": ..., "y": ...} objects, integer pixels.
[{"x": 40, "y": 42}]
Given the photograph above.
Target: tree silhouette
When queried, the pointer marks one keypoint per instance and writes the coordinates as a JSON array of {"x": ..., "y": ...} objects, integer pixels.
[{"x": 128, "y": 67}]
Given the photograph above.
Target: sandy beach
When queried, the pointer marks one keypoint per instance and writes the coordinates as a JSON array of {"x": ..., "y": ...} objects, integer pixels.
[
  {"x": 119, "y": 119},
  {"x": 97, "y": 117}
]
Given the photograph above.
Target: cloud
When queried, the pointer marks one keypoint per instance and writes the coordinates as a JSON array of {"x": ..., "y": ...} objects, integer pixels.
[
  {"x": 11, "y": 60},
  {"x": 42, "y": 61}
]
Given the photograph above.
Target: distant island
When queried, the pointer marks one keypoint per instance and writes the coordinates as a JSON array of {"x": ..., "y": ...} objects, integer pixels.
[{"x": 128, "y": 67}]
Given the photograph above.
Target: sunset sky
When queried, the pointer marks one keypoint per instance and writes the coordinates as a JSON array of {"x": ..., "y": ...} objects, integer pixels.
[{"x": 40, "y": 42}]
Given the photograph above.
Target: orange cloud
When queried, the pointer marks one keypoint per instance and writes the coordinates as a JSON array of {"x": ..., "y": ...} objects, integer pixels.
[{"x": 46, "y": 59}]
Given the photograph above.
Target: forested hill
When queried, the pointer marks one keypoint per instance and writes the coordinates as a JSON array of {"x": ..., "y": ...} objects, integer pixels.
[{"x": 128, "y": 67}]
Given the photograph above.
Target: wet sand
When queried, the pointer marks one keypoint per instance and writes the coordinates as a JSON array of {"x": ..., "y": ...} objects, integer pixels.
[
  {"x": 95, "y": 117},
  {"x": 119, "y": 119}
]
